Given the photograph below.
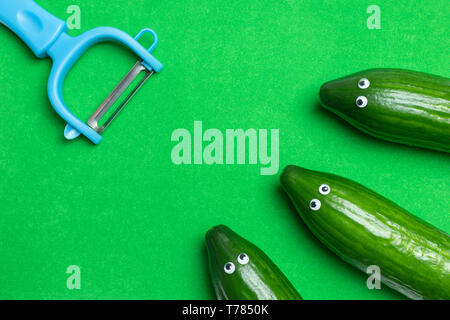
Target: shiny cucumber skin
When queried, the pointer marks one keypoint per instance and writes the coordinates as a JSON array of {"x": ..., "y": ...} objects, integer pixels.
[
  {"x": 364, "y": 228},
  {"x": 403, "y": 106},
  {"x": 254, "y": 278}
]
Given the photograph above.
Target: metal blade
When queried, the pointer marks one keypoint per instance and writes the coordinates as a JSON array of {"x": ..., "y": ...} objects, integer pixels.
[{"x": 115, "y": 94}]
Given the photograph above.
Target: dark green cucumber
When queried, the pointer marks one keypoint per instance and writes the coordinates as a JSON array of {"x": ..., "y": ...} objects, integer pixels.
[
  {"x": 397, "y": 105},
  {"x": 365, "y": 229},
  {"x": 241, "y": 271}
]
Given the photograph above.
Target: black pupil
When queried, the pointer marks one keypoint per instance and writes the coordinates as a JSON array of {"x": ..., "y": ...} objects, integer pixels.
[
  {"x": 242, "y": 256},
  {"x": 359, "y": 102},
  {"x": 313, "y": 204},
  {"x": 324, "y": 188},
  {"x": 362, "y": 83},
  {"x": 228, "y": 266}
]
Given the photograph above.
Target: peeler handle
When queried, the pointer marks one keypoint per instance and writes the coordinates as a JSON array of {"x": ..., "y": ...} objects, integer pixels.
[{"x": 35, "y": 26}]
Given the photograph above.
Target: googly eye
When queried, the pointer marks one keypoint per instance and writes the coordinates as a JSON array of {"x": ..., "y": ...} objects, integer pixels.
[
  {"x": 363, "y": 83},
  {"x": 243, "y": 258},
  {"x": 229, "y": 267},
  {"x": 324, "y": 189},
  {"x": 361, "y": 102},
  {"x": 315, "y": 204}
]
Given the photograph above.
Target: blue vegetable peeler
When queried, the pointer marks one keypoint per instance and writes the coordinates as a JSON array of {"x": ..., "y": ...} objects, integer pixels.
[{"x": 46, "y": 35}]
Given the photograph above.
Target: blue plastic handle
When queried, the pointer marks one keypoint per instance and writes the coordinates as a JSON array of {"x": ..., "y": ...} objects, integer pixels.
[
  {"x": 35, "y": 26},
  {"x": 47, "y": 35}
]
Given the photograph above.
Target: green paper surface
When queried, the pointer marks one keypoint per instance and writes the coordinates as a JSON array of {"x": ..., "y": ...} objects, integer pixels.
[{"x": 133, "y": 221}]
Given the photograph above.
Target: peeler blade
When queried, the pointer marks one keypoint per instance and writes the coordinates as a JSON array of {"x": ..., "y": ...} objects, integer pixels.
[{"x": 115, "y": 94}]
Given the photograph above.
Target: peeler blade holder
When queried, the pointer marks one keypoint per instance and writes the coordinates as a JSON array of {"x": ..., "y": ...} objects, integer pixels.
[{"x": 46, "y": 35}]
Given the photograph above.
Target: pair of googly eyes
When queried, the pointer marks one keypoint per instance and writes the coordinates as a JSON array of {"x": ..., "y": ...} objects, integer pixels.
[
  {"x": 230, "y": 267},
  {"x": 315, "y": 204},
  {"x": 361, "y": 101}
]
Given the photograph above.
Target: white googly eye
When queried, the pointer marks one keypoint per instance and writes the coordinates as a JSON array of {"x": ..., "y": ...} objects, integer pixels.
[
  {"x": 361, "y": 102},
  {"x": 229, "y": 267},
  {"x": 315, "y": 204},
  {"x": 363, "y": 83},
  {"x": 243, "y": 258},
  {"x": 324, "y": 189}
]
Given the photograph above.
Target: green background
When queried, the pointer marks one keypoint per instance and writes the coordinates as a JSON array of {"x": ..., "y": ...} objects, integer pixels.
[{"x": 135, "y": 222}]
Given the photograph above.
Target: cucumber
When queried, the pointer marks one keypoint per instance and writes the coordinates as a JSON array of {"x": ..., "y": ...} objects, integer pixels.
[
  {"x": 241, "y": 271},
  {"x": 397, "y": 105},
  {"x": 364, "y": 229}
]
